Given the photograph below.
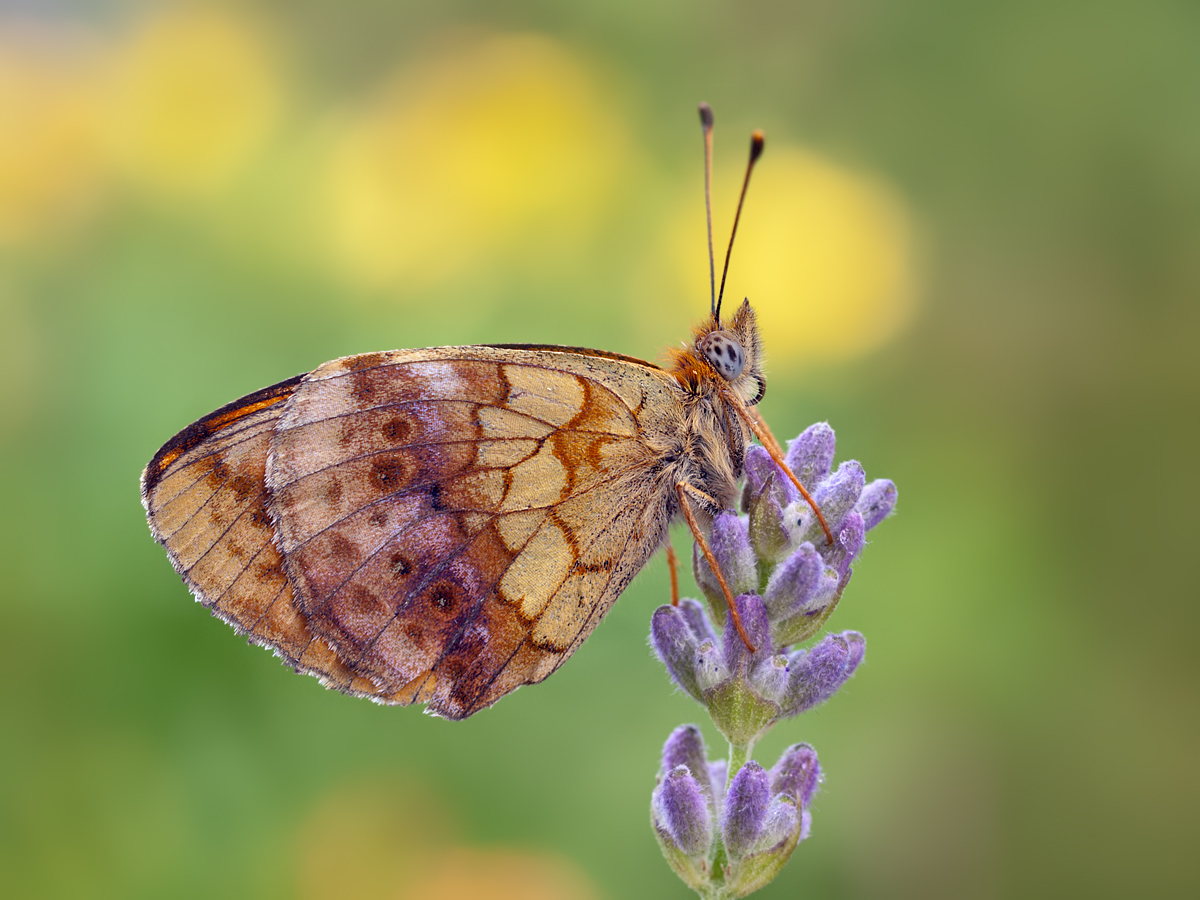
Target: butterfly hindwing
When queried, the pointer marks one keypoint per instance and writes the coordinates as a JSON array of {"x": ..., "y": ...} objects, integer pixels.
[
  {"x": 455, "y": 521},
  {"x": 204, "y": 495}
]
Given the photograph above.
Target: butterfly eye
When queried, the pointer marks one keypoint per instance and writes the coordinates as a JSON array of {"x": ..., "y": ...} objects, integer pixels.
[{"x": 724, "y": 351}]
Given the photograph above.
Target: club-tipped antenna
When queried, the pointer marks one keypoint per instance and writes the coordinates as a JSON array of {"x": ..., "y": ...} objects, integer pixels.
[
  {"x": 756, "y": 149},
  {"x": 706, "y": 122}
]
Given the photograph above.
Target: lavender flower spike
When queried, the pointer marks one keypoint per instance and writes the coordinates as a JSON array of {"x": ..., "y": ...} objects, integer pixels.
[{"x": 728, "y": 839}]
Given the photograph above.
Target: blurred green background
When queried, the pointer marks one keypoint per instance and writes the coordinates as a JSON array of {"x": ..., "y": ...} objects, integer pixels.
[{"x": 974, "y": 243}]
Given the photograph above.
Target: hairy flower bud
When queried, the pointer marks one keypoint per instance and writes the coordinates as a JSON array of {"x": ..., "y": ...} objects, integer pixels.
[
  {"x": 675, "y": 644},
  {"x": 810, "y": 456},
  {"x": 816, "y": 675},
  {"x": 876, "y": 502},
  {"x": 797, "y": 774},
  {"x": 745, "y": 809},
  {"x": 683, "y": 811}
]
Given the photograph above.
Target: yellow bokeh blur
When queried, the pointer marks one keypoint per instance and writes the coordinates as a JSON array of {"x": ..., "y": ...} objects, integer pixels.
[
  {"x": 825, "y": 254},
  {"x": 395, "y": 839},
  {"x": 468, "y": 873},
  {"x": 194, "y": 96},
  {"x": 368, "y": 838},
  {"x": 51, "y": 156},
  {"x": 493, "y": 149}
]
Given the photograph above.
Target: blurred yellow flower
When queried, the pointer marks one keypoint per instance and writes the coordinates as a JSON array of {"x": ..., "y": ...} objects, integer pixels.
[
  {"x": 471, "y": 873},
  {"x": 368, "y": 838},
  {"x": 387, "y": 838},
  {"x": 825, "y": 255},
  {"x": 51, "y": 158},
  {"x": 196, "y": 94},
  {"x": 490, "y": 151}
]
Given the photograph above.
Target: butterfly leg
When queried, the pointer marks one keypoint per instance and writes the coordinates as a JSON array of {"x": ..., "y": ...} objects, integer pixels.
[
  {"x": 673, "y": 566},
  {"x": 682, "y": 489}
]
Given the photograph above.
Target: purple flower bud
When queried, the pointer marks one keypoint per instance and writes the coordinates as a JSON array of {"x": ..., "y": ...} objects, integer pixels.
[
  {"x": 730, "y": 543},
  {"x": 675, "y": 644},
  {"x": 685, "y": 747},
  {"x": 794, "y": 582},
  {"x": 849, "y": 540},
  {"x": 758, "y": 628},
  {"x": 746, "y": 805},
  {"x": 876, "y": 502},
  {"x": 697, "y": 618},
  {"x": 836, "y": 496},
  {"x": 781, "y": 825},
  {"x": 710, "y": 668},
  {"x": 768, "y": 494},
  {"x": 681, "y": 810},
  {"x": 762, "y": 475},
  {"x": 816, "y": 675},
  {"x": 769, "y": 678},
  {"x": 806, "y": 621},
  {"x": 810, "y": 456},
  {"x": 797, "y": 774}
]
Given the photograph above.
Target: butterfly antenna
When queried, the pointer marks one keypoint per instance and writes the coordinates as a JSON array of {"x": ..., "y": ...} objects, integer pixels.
[
  {"x": 706, "y": 122},
  {"x": 756, "y": 149}
]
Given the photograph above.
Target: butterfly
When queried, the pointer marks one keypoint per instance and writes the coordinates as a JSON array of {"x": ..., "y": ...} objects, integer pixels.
[{"x": 442, "y": 526}]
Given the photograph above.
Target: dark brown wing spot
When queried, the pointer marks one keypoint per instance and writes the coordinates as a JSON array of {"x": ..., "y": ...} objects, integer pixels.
[
  {"x": 400, "y": 566},
  {"x": 362, "y": 603},
  {"x": 378, "y": 518},
  {"x": 244, "y": 487},
  {"x": 443, "y": 597},
  {"x": 365, "y": 361},
  {"x": 396, "y": 430},
  {"x": 363, "y": 388},
  {"x": 342, "y": 550},
  {"x": 390, "y": 473},
  {"x": 333, "y": 492}
]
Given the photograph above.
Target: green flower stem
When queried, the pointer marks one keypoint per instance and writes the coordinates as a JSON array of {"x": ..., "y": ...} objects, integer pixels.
[{"x": 738, "y": 754}]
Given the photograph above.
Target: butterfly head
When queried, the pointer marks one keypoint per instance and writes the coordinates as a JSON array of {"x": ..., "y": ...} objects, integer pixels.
[{"x": 732, "y": 350}]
